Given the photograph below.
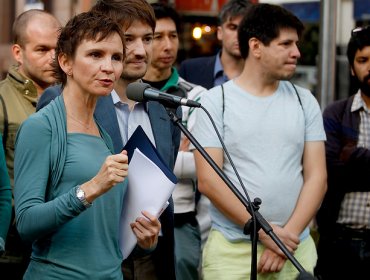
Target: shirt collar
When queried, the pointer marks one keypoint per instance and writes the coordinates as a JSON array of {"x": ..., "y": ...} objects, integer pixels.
[
  {"x": 219, "y": 70},
  {"x": 172, "y": 81},
  {"x": 117, "y": 100},
  {"x": 115, "y": 97},
  {"x": 358, "y": 103}
]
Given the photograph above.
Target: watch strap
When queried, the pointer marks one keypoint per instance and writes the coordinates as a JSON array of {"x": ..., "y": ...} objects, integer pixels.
[{"x": 80, "y": 194}]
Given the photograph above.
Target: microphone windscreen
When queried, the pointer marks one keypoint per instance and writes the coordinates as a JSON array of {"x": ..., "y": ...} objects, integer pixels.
[{"x": 135, "y": 91}]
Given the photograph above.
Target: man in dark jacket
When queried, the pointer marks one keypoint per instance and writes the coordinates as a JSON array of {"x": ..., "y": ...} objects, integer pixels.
[
  {"x": 344, "y": 217},
  {"x": 227, "y": 63}
]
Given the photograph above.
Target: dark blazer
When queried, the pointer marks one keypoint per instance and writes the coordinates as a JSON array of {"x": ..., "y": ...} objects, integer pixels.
[
  {"x": 199, "y": 71},
  {"x": 164, "y": 131}
]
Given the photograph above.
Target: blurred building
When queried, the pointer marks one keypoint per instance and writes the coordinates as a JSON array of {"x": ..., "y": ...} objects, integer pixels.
[
  {"x": 10, "y": 9},
  {"x": 198, "y": 34}
]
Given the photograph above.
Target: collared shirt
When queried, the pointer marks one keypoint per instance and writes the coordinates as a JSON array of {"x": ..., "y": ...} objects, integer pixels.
[
  {"x": 128, "y": 120},
  {"x": 355, "y": 207},
  {"x": 218, "y": 73}
]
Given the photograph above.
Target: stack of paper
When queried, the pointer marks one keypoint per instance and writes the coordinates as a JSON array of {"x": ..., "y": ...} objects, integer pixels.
[{"x": 150, "y": 185}]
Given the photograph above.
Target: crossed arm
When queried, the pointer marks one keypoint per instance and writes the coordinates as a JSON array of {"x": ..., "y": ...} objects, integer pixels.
[{"x": 312, "y": 193}]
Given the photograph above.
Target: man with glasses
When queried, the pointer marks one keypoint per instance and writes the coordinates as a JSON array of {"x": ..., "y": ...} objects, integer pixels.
[{"x": 344, "y": 217}]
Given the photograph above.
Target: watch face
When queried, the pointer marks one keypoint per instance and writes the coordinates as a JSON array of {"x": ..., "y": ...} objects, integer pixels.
[{"x": 80, "y": 194}]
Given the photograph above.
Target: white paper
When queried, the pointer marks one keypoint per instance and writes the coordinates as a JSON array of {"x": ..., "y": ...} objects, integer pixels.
[{"x": 148, "y": 189}]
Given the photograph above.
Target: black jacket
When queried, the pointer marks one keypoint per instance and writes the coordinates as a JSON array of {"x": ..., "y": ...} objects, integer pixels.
[
  {"x": 199, "y": 71},
  {"x": 348, "y": 166}
]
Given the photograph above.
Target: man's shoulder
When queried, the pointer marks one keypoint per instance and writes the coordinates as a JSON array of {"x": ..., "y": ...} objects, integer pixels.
[
  {"x": 16, "y": 82},
  {"x": 7, "y": 87},
  {"x": 338, "y": 108},
  {"x": 188, "y": 86},
  {"x": 198, "y": 61},
  {"x": 192, "y": 90},
  {"x": 340, "y": 104},
  {"x": 48, "y": 95},
  {"x": 13, "y": 93}
]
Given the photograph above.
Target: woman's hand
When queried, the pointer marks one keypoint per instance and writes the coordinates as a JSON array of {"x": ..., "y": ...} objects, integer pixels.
[
  {"x": 146, "y": 230},
  {"x": 114, "y": 170}
]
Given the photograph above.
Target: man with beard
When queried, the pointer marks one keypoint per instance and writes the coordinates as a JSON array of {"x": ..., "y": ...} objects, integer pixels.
[{"x": 343, "y": 219}]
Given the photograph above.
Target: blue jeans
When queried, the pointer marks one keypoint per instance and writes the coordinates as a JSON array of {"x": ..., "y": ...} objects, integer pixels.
[{"x": 187, "y": 250}]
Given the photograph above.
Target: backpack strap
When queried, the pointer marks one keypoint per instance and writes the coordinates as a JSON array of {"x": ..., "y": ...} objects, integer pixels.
[
  {"x": 6, "y": 122},
  {"x": 296, "y": 91},
  {"x": 223, "y": 98}
]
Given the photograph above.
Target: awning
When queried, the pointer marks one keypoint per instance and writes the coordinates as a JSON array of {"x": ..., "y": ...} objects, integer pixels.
[
  {"x": 361, "y": 9},
  {"x": 305, "y": 11}
]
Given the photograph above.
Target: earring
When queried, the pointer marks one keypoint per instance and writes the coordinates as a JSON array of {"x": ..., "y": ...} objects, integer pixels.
[{"x": 69, "y": 73}]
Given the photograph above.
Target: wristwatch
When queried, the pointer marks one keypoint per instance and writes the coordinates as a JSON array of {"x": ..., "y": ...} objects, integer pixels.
[{"x": 81, "y": 196}]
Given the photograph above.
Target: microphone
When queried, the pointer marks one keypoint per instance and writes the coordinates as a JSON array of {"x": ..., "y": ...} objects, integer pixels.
[{"x": 140, "y": 92}]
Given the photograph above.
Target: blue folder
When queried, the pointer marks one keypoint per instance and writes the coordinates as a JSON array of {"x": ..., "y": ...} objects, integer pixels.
[{"x": 140, "y": 140}]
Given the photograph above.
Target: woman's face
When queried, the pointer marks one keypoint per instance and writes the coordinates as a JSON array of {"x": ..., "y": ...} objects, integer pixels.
[{"x": 96, "y": 65}]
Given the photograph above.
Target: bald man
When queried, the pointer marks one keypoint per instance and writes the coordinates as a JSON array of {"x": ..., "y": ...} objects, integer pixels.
[{"x": 35, "y": 37}]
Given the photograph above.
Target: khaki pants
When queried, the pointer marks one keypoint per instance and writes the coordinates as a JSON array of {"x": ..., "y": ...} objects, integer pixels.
[{"x": 230, "y": 261}]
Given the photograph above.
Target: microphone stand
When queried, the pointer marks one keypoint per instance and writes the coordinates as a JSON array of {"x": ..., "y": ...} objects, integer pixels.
[{"x": 259, "y": 221}]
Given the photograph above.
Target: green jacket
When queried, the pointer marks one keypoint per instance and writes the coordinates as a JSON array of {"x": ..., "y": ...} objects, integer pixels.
[
  {"x": 18, "y": 97},
  {"x": 5, "y": 200}
]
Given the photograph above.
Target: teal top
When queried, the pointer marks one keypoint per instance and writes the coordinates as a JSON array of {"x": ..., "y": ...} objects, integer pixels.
[
  {"x": 69, "y": 241},
  {"x": 5, "y": 199}
]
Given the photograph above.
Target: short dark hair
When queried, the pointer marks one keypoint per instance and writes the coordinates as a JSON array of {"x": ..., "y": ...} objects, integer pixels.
[
  {"x": 125, "y": 12},
  {"x": 360, "y": 38},
  {"x": 232, "y": 9},
  {"x": 162, "y": 10},
  {"x": 264, "y": 22},
  {"x": 84, "y": 26}
]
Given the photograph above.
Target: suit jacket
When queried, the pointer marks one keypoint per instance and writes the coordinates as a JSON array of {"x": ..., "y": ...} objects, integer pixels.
[
  {"x": 164, "y": 131},
  {"x": 199, "y": 71}
]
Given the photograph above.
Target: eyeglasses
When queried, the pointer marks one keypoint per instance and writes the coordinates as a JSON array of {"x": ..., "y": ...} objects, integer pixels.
[{"x": 359, "y": 30}]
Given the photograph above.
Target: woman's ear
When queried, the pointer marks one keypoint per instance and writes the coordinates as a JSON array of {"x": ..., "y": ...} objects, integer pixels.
[{"x": 65, "y": 63}]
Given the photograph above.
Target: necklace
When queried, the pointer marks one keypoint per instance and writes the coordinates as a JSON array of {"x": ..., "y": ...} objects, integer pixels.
[{"x": 87, "y": 127}]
